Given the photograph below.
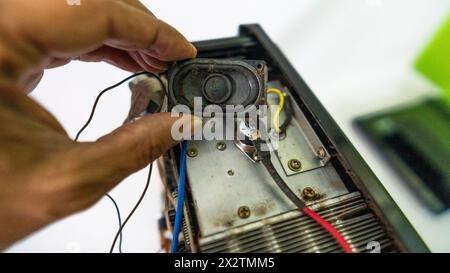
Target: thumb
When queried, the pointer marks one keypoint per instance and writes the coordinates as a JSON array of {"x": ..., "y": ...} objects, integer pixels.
[{"x": 130, "y": 148}]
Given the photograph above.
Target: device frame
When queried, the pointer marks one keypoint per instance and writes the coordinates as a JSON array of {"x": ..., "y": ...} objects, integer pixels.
[{"x": 351, "y": 164}]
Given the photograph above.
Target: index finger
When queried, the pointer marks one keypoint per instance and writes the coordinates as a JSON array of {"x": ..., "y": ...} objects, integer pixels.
[{"x": 80, "y": 29}]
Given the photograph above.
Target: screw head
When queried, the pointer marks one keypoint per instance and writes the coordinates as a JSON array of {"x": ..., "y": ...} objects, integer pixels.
[
  {"x": 294, "y": 165},
  {"x": 221, "y": 146},
  {"x": 230, "y": 172},
  {"x": 321, "y": 153},
  {"x": 192, "y": 152},
  {"x": 309, "y": 193},
  {"x": 244, "y": 212}
]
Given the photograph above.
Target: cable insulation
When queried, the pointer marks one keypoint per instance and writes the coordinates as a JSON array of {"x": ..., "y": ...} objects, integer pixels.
[
  {"x": 180, "y": 201},
  {"x": 266, "y": 161},
  {"x": 326, "y": 225},
  {"x": 276, "y": 117},
  {"x": 147, "y": 184},
  {"x": 119, "y": 218},
  {"x": 108, "y": 89},
  {"x": 121, "y": 226}
]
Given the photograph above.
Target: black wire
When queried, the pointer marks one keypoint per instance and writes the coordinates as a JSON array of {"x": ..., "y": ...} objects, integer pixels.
[
  {"x": 121, "y": 226},
  {"x": 288, "y": 114},
  {"x": 119, "y": 218},
  {"x": 134, "y": 208},
  {"x": 265, "y": 158},
  {"x": 108, "y": 89},
  {"x": 267, "y": 162}
]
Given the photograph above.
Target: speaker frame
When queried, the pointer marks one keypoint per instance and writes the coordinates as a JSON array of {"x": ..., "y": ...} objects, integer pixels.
[{"x": 257, "y": 68}]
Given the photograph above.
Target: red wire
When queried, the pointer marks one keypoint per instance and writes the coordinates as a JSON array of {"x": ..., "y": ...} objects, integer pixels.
[{"x": 334, "y": 232}]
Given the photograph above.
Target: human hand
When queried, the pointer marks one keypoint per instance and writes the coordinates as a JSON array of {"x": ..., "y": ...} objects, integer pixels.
[
  {"x": 35, "y": 35},
  {"x": 44, "y": 175}
]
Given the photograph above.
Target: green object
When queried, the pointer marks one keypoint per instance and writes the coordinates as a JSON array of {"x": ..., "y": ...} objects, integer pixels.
[
  {"x": 434, "y": 63},
  {"x": 415, "y": 138}
]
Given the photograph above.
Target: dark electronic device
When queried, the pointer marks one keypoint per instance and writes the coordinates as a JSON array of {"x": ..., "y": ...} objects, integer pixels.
[
  {"x": 415, "y": 140},
  {"x": 231, "y": 203}
]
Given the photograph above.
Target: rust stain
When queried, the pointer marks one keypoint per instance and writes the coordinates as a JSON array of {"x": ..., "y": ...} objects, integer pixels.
[
  {"x": 263, "y": 207},
  {"x": 226, "y": 221}
]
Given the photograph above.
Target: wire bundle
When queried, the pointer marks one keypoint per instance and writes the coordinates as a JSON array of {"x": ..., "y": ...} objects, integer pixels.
[
  {"x": 121, "y": 226},
  {"x": 180, "y": 201},
  {"x": 182, "y": 180},
  {"x": 265, "y": 159}
]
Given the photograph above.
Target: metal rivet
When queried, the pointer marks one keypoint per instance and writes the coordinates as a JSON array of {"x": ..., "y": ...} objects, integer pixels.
[
  {"x": 221, "y": 146},
  {"x": 321, "y": 153},
  {"x": 256, "y": 158},
  {"x": 192, "y": 152},
  {"x": 230, "y": 172},
  {"x": 244, "y": 212},
  {"x": 309, "y": 194},
  {"x": 295, "y": 165}
]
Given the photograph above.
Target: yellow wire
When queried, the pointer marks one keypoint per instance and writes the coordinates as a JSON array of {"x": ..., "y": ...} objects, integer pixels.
[{"x": 276, "y": 117}]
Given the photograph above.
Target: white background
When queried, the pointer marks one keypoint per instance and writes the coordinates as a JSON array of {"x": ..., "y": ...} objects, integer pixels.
[{"x": 356, "y": 56}]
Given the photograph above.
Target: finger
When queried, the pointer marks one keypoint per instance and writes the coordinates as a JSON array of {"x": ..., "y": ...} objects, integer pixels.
[
  {"x": 31, "y": 81},
  {"x": 130, "y": 148},
  {"x": 102, "y": 22},
  {"x": 57, "y": 63},
  {"x": 147, "y": 67},
  {"x": 17, "y": 100},
  {"x": 137, "y": 4},
  {"x": 112, "y": 56},
  {"x": 152, "y": 36},
  {"x": 153, "y": 61},
  {"x": 160, "y": 39}
]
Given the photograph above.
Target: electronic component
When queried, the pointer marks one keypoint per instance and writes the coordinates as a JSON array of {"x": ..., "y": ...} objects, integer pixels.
[
  {"x": 218, "y": 82},
  {"x": 232, "y": 202}
]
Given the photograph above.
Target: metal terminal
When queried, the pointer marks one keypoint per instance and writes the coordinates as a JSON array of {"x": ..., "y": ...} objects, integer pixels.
[
  {"x": 248, "y": 150},
  {"x": 244, "y": 212},
  {"x": 321, "y": 153},
  {"x": 309, "y": 194},
  {"x": 192, "y": 152},
  {"x": 221, "y": 146},
  {"x": 230, "y": 172},
  {"x": 294, "y": 165}
]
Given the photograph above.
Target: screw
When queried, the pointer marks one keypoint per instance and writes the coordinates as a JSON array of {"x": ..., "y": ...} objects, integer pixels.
[
  {"x": 309, "y": 194},
  {"x": 321, "y": 153},
  {"x": 295, "y": 165},
  {"x": 244, "y": 212},
  {"x": 221, "y": 146},
  {"x": 256, "y": 158},
  {"x": 230, "y": 172},
  {"x": 192, "y": 152}
]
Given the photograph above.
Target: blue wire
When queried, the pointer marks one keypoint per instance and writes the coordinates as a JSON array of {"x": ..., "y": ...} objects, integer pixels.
[
  {"x": 120, "y": 221},
  {"x": 180, "y": 203}
]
